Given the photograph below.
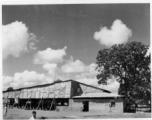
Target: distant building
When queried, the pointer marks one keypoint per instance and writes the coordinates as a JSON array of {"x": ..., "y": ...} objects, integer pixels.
[{"x": 67, "y": 95}]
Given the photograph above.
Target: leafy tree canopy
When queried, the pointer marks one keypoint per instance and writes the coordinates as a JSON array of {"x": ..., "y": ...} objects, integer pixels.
[
  {"x": 58, "y": 80},
  {"x": 10, "y": 88},
  {"x": 129, "y": 64}
]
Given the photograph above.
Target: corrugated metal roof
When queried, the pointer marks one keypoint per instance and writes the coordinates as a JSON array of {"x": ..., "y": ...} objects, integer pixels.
[{"x": 97, "y": 95}]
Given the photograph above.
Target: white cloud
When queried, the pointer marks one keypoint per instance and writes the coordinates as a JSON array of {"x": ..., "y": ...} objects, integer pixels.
[
  {"x": 87, "y": 74},
  {"x": 49, "y": 56},
  {"x": 32, "y": 40},
  {"x": 51, "y": 68},
  {"x": 32, "y": 78},
  {"x": 25, "y": 79},
  {"x": 75, "y": 70},
  {"x": 118, "y": 33},
  {"x": 91, "y": 69},
  {"x": 33, "y": 37},
  {"x": 112, "y": 86},
  {"x": 90, "y": 81},
  {"x": 32, "y": 46},
  {"x": 73, "y": 66},
  {"x": 15, "y": 39},
  {"x": 80, "y": 71},
  {"x": 28, "y": 76},
  {"x": 78, "y": 66},
  {"x": 7, "y": 80}
]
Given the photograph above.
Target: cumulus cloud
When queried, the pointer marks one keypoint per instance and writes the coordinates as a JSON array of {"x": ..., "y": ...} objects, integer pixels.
[
  {"x": 33, "y": 37},
  {"x": 87, "y": 74},
  {"x": 77, "y": 66},
  {"x": 32, "y": 41},
  {"x": 32, "y": 46},
  {"x": 28, "y": 76},
  {"x": 75, "y": 70},
  {"x": 80, "y": 71},
  {"x": 117, "y": 34},
  {"x": 25, "y": 79},
  {"x": 51, "y": 68},
  {"x": 15, "y": 38},
  {"x": 88, "y": 80},
  {"x": 73, "y": 66},
  {"x": 7, "y": 80},
  {"x": 32, "y": 78},
  {"x": 112, "y": 86},
  {"x": 91, "y": 70},
  {"x": 49, "y": 56}
]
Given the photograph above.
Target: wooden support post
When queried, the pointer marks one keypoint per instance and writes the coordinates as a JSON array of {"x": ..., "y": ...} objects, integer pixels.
[
  {"x": 26, "y": 103},
  {"x": 52, "y": 103},
  {"x": 30, "y": 105},
  {"x": 39, "y": 104},
  {"x": 42, "y": 103}
]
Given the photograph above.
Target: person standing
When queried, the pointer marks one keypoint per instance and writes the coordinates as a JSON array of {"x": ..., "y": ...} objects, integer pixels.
[
  {"x": 33, "y": 115},
  {"x": 5, "y": 110},
  {"x": 110, "y": 108}
]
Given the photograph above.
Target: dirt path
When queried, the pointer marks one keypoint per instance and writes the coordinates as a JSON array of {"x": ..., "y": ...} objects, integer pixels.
[{"x": 26, "y": 114}]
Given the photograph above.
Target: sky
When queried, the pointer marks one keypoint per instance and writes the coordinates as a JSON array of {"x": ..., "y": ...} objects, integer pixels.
[{"x": 43, "y": 43}]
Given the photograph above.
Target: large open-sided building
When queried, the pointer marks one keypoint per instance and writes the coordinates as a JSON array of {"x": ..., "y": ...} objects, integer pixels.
[{"x": 68, "y": 95}]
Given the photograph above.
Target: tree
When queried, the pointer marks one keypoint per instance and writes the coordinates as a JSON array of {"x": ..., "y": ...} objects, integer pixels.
[
  {"x": 58, "y": 80},
  {"x": 10, "y": 88},
  {"x": 130, "y": 66}
]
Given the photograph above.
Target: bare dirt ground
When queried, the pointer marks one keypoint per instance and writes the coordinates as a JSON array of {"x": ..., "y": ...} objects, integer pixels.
[{"x": 26, "y": 114}]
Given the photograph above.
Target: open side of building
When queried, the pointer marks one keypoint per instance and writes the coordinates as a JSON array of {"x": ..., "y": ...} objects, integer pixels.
[{"x": 68, "y": 95}]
